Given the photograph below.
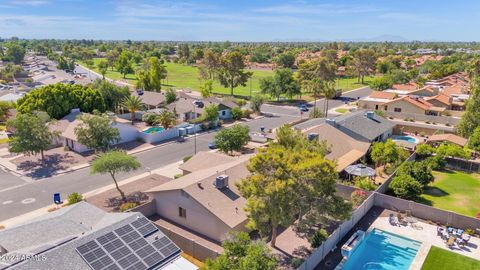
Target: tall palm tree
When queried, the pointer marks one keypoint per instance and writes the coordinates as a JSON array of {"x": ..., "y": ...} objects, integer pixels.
[
  {"x": 167, "y": 119},
  {"x": 328, "y": 91},
  {"x": 313, "y": 86},
  {"x": 133, "y": 104}
]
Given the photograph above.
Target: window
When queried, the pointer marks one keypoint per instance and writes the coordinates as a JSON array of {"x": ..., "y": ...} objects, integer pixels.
[
  {"x": 386, "y": 108},
  {"x": 223, "y": 113},
  {"x": 397, "y": 109},
  {"x": 376, "y": 107},
  {"x": 182, "y": 212}
]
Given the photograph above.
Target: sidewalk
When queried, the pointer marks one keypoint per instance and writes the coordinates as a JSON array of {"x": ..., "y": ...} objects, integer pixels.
[{"x": 169, "y": 171}]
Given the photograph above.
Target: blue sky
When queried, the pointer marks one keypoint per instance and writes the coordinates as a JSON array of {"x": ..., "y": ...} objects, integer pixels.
[{"x": 241, "y": 20}]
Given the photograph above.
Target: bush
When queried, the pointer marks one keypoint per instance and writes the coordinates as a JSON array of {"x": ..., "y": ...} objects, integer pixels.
[
  {"x": 357, "y": 197},
  {"x": 256, "y": 103},
  {"x": 178, "y": 175},
  {"x": 127, "y": 206},
  {"x": 246, "y": 113},
  {"x": 437, "y": 163},
  {"x": 240, "y": 102},
  {"x": 318, "y": 238},
  {"x": 74, "y": 198},
  {"x": 297, "y": 262},
  {"x": 150, "y": 118},
  {"x": 316, "y": 113},
  {"x": 405, "y": 187},
  {"x": 424, "y": 150},
  {"x": 185, "y": 159},
  {"x": 418, "y": 170},
  {"x": 237, "y": 113},
  {"x": 381, "y": 83},
  {"x": 364, "y": 183}
]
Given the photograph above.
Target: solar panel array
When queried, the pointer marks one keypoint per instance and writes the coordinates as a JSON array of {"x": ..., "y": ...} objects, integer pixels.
[{"x": 126, "y": 248}]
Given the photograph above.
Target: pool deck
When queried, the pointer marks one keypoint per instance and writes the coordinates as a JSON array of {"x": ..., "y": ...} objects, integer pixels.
[{"x": 427, "y": 235}]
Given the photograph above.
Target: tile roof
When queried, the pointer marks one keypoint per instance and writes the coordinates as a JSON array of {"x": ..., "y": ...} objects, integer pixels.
[
  {"x": 455, "y": 139},
  {"x": 405, "y": 86},
  {"x": 383, "y": 95},
  {"x": 205, "y": 159},
  {"x": 445, "y": 99}
]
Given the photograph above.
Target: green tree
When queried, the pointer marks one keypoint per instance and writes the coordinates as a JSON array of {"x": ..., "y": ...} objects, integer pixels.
[
  {"x": 473, "y": 142},
  {"x": 237, "y": 113},
  {"x": 124, "y": 65},
  {"x": 170, "y": 95},
  {"x": 256, "y": 103},
  {"x": 206, "y": 89},
  {"x": 381, "y": 83},
  {"x": 424, "y": 150},
  {"x": 103, "y": 67},
  {"x": 113, "y": 163},
  {"x": 232, "y": 139},
  {"x": 282, "y": 83},
  {"x": 364, "y": 183},
  {"x": 452, "y": 150},
  {"x": 328, "y": 91},
  {"x": 133, "y": 104},
  {"x": 96, "y": 132},
  {"x": 363, "y": 63},
  {"x": 240, "y": 253},
  {"x": 167, "y": 119},
  {"x": 418, "y": 170},
  {"x": 471, "y": 118},
  {"x": 317, "y": 75},
  {"x": 211, "y": 64},
  {"x": 285, "y": 60},
  {"x": 406, "y": 187},
  {"x": 157, "y": 72},
  {"x": 210, "y": 113},
  {"x": 385, "y": 153},
  {"x": 32, "y": 135},
  {"x": 231, "y": 71},
  {"x": 15, "y": 53},
  {"x": 5, "y": 107},
  {"x": 112, "y": 94}
]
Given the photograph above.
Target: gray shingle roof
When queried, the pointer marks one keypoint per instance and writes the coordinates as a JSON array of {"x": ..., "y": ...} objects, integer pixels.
[{"x": 360, "y": 127}]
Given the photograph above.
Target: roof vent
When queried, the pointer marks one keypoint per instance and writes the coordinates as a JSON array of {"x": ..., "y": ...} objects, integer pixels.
[
  {"x": 312, "y": 136},
  {"x": 3, "y": 251},
  {"x": 221, "y": 181},
  {"x": 370, "y": 114},
  {"x": 331, "y": 122}
]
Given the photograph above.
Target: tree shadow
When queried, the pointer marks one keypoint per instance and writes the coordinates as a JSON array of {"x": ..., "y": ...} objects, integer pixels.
[
  {"x": 435, "y": 192},
  {"x": 425, "y": 201},
  {"x": 53, "y": 163}
]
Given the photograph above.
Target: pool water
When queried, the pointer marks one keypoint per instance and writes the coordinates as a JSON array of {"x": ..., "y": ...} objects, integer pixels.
[
  {"x": 383, "y": 250},
  {"x": 405, "y": 138},
  {"x": 154, "y": 130}
]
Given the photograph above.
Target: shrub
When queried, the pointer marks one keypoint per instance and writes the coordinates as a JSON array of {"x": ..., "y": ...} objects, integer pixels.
[
  {"x": 178, "y": 175},
  {"x": 424, "y": 150},
  {"x": 318, "y": 238},
  {"x": 418, "y": 170},
  {"x": 405, "y": 187},
  {"x": 150, "y": 118},
  {"x": 74, "y": 198},
  {"x": 364, "y": 183},
  {"x": 246, "y": 113},
  {"x": 240, "y": 102},
  {"x": 127, "y": 206},
  {"x": 297, "y": 262},
  {"x": 237, "y": 113},
  {"x": 256, "y": 103},
  {"x": 316, "y": 113},
  {"x": 185, "y": 159},
  {"x": 381, "y": 83},
  {"x": 357, "y": 197},
  {"x": 471, "y": 231},
  {"x": 437, "y": 163},
  {"x": 380, "y": 113}
]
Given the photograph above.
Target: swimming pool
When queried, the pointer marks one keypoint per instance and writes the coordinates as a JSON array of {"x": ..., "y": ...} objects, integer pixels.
[
  {"x": 383, "y": 250},
  {"x": 404, "y": 138},
  {"x": 153, "y": 130}
]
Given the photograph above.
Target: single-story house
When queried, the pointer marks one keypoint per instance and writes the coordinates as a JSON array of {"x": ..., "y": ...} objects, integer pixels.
[
  {"x": 447, "y": 137},
  {"x": 343, "y": 149},
  {"x": 66, "y": 127},
  {"x": 84, "y": 237},
  {"x": 151, "y": 99},
  {"x": 206, "y": 201},
  {"x": 364, "y": 126},
  {"x": 407, "y": 104},
  {"x": 376, "y": 99}
]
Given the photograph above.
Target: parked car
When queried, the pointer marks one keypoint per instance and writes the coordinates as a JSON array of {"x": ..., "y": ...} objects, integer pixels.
[
  {"x": 303, "y": 108},
  {"x": 211, "y": 145}
]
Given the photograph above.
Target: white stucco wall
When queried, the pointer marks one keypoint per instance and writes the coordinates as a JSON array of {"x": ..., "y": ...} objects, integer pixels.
[{"x": 128, "y": 132}]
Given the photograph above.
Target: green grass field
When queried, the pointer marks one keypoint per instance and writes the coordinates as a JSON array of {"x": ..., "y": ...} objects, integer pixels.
[
  {"x": 454, "y": 191},
  {"x": 183, "y": 76},
  {"x": 441, "y": 259}
]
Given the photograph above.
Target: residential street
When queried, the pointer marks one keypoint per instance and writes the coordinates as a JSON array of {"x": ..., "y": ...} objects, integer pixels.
[{"x": 19, "y": 196}]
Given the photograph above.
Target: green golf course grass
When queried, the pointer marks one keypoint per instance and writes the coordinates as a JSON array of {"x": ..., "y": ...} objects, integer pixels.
[{"x": 454, "y": 191}]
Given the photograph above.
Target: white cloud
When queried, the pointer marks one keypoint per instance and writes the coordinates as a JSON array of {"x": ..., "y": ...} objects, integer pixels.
[{"x": 33, "y": 3}]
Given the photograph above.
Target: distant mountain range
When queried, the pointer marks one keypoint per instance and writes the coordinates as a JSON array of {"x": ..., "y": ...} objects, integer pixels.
[{"x": 380, "y": 38}]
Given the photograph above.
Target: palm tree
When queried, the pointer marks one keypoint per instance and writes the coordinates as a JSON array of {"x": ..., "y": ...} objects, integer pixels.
[
  {"x": 313, "y": 86},
  {"x": 167, "y": 119},
  {"x": 328, "y": 91},
  {"x": 133, "y": 104}
]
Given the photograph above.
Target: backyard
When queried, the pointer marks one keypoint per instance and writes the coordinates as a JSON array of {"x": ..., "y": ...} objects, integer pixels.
[
  {"x": 438, "y": 259},
  {"x": 455, "y": 191},
  {"x": 185, "y": 76}
]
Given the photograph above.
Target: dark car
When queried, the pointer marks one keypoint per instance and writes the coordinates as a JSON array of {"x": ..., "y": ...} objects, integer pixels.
[
  {"x": 211, "y": 145},
  {"x": 303, "y": 108}
]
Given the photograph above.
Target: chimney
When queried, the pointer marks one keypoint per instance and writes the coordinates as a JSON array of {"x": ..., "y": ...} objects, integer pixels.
[
  {"x": 221, "y": 181},
  {"x": 370, "y": 114}
]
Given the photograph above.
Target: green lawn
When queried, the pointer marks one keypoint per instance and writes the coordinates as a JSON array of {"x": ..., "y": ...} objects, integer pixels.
[
  {"x": 441, "y": 259},
  {"x": 454, "y": 191},
  {"x": 341, "y": 110},
  {"x": 185, "y": 76}
]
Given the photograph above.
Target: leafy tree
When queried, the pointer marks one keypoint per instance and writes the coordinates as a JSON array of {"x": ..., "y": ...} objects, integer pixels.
[
  {"x": 15, "y": 53},
  {"x": 282, "y": 83},
  {"x": 473, "y": 141},
  {"x": 364, "y": 183},
  {"x": 59, "y": 99},
  {"x": 452, "y": 150},
  {"x": 237, "y": 113},
  {"x": 167, "y": 119},
  {"x": 124, "y": 65},
  {"x": 424, "y": 150},
  {"x": 285, "y": 60},
  {"x": 232, "y": 139},
  {"x": 317, "y": 75},
  {"x": 406, "y": 187},
  {"x": 364, "y": 63},
  {"x": 418, "y": 170},
  {"x": 103, "y": 67},
  {"x": 381, "y": 83},
  {"x": 318, "y": 238},
  {"x": 112, "y": 94},
  {"x": 385, "y": 153},
  {"x": 170, "y": 95},
  {"x": 113, "y": 163},
  {"x": 133, "y": 104},
  {"x": 293, "y": 139},
  {"x": 154, "y": 73},
  {"x": 240, "y": 253},
  {"x": 96, "y": 132},
  {"x": 206, "y": 89},
  {"x": 32, "y": 135},
  {"x": 471, "y": 118},
  {"x": 231, "y": 71},
  {"x": 150, "y": 118},
  {"x": 210, "y": 113},
  {"x": 256, "y": 103},
  {"x": 211, "y": 64},
  {"x": 65, "y": 64},
  {"x": 5, "y": 107}
]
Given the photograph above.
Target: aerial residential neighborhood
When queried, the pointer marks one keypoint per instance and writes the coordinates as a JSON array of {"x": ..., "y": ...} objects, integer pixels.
[{"x": 239, "y": 135}]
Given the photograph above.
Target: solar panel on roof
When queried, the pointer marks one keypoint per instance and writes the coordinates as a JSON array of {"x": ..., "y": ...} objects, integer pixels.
[{"x": 126, "y": 248}]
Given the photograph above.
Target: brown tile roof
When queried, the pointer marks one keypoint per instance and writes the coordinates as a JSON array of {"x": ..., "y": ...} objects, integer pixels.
[
  {"x": 452, "y": 138},
  {"x": 417, "y": 102},
  {"x": 406, "y": 86},
  {"x": 225, "y": 204},
  {"x": 445, "y": 99},
  {"x": 343, "y": 148},
  {"x": 383, "y": 95},
  {"x": 205, "y": 159}
]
